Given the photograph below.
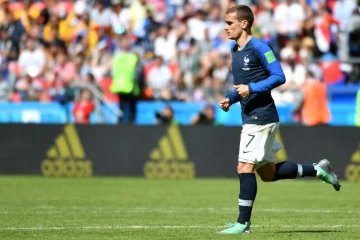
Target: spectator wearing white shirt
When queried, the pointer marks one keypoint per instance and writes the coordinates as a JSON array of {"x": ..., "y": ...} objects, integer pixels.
[
  {"x": 343, "y": 10},
  {"x": 159, "y": 77},
  {"x": 100, "y": 15},
  {"x": 32, "y": 58},
  {"x": 119, "y": 17},
  {"x": 216, "y": 24},
  {"x": 289, "y": 17},
  {"x": 197, "y": 26},
  {"x": 165, "y": 43}
]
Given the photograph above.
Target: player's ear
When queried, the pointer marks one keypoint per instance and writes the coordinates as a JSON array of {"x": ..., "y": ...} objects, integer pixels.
[{"x": 244, "y": 24}]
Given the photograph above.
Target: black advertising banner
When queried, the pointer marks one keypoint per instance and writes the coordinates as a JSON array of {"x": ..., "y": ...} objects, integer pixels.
[{"x": 162, "y": 151}]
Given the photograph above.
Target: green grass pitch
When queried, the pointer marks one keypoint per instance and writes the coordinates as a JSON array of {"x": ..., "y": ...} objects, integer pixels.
[{"x": 34, "y": 207}]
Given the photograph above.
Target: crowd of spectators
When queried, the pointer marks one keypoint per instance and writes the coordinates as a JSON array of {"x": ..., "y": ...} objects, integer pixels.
[{"x": 46, "y": 47}]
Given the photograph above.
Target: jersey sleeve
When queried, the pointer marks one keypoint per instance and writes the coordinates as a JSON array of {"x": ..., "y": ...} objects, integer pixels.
[
  {"x": 271, "y": 65},
  {"x": 233, "y": 96}
]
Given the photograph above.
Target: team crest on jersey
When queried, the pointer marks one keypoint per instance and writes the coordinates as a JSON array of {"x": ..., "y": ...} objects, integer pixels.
[{"x": 246, "y": 63}]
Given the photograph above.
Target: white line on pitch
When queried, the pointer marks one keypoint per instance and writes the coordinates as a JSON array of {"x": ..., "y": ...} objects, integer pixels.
[
  {"x": 173, "y": 210},
  {"x": 164, "y": 227}
]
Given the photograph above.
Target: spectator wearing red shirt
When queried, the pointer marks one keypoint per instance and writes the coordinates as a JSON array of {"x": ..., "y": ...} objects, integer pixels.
[{"x": 83, "y": 107}]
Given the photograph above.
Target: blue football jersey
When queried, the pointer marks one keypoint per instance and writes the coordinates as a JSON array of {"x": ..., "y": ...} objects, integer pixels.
[{"x": 255, "y": 65}]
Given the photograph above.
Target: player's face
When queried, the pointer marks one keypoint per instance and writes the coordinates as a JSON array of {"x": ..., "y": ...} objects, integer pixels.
[{"x": 234, "y": 27}]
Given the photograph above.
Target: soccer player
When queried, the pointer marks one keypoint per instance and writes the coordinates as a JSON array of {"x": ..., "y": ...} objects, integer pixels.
[{"x": 256, "y": 72}]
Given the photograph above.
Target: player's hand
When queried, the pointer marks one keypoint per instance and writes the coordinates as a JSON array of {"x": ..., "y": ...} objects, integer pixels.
[
  {"x": 242, "y": 90},
  {"x": 225, "y": 104}
]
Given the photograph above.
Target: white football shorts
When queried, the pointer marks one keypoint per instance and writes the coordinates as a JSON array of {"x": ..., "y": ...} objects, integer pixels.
[{"x": 258, "y": 145}]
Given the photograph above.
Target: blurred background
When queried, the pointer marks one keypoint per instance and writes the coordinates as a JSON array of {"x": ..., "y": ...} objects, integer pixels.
[{"x": 150, "y": 62}]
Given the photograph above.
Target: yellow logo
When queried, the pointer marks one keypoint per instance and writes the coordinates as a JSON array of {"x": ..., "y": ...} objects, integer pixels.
[
  {"x": 67, "y": 157},
  {"x": 352, "y": 170},
  {"x": 281, "y": 155},
  {"x": 170, "y": 159}
]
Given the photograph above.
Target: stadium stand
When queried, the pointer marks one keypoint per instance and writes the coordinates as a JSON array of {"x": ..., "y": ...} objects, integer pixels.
[{"x": 51, "y": 49}]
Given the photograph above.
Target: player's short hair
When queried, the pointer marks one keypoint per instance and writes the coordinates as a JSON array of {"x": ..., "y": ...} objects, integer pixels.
[{"x": 242, "y": 12}]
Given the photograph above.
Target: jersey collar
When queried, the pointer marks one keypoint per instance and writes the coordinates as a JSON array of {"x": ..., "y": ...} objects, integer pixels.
[{"x": 235, "y": 48}]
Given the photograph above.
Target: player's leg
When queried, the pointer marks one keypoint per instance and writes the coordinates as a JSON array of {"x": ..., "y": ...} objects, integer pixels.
[
  {"x": 248, "y": 190},
  {"x": 248, "y": 185},
  {"x": 269, "y": 171}
]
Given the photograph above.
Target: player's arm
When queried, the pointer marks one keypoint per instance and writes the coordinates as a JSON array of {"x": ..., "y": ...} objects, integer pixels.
[
  {"x": 233, "y": 96},
  {"x": 269, "y": 62}
]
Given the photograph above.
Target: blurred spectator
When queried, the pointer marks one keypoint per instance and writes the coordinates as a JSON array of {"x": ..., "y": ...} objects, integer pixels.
[
  {"x": 312, "y": 108},
  {"x": 343, "y": 10},
  {"x": 326, "y": 40},
  {"x": 221, "y": 70},
  {"x": 203, "y": 90},
  {"x": 52, "y": 7},
  {"x": 353, "y": 29},
  {"x": 205, "y": 117},
  {"x": 5, "y": 90},
  {"x": 295, "y": 74},
  {"x": 330, "y": 66},
  {"x": 94, "y": 41},
  {"x": 74, "y": 23},
  {"x": 159, "y": 77},
  {"x": 64, "y": 70},
  {"x": 189, "y": 61},
  {"x": 9, "y": 50},
  {"x": 32, "y": 58},
  {"x": 288, "y": 17},
  {"x": 125, "y": 82},
  {"x": 4, "y": 6},
  {"x": 197, "y": 25},
  {"x": 27, "y": 14},
  {"x": 101, "y": 60},
  {"x": 306, "y": 51},
  {"x": 165, "y": 43},
  {"x": 265, "y": 22},
  {"x": 147, "y": 28},
  {"x": 180, "y": 91},
  {"x": 50, "y": 30},
  {"x": 215, "y": 24},
  {"x": 83, "y": 107},
  {"x": 100, "y": 14},
  {"x": 14, "y": 27},
  {"x": 119, "y": 17},
  {"x": 166, "y": 117},
  {"x": 138, "y": 9},
  {"x": 29, "y": 87},
  {"x": 205, "y": 46}
]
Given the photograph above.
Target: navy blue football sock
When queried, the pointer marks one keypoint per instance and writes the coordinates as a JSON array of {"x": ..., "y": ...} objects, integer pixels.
[
  {"x": 290, "y": 170},
  {"x": 248, "y": 189}
]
